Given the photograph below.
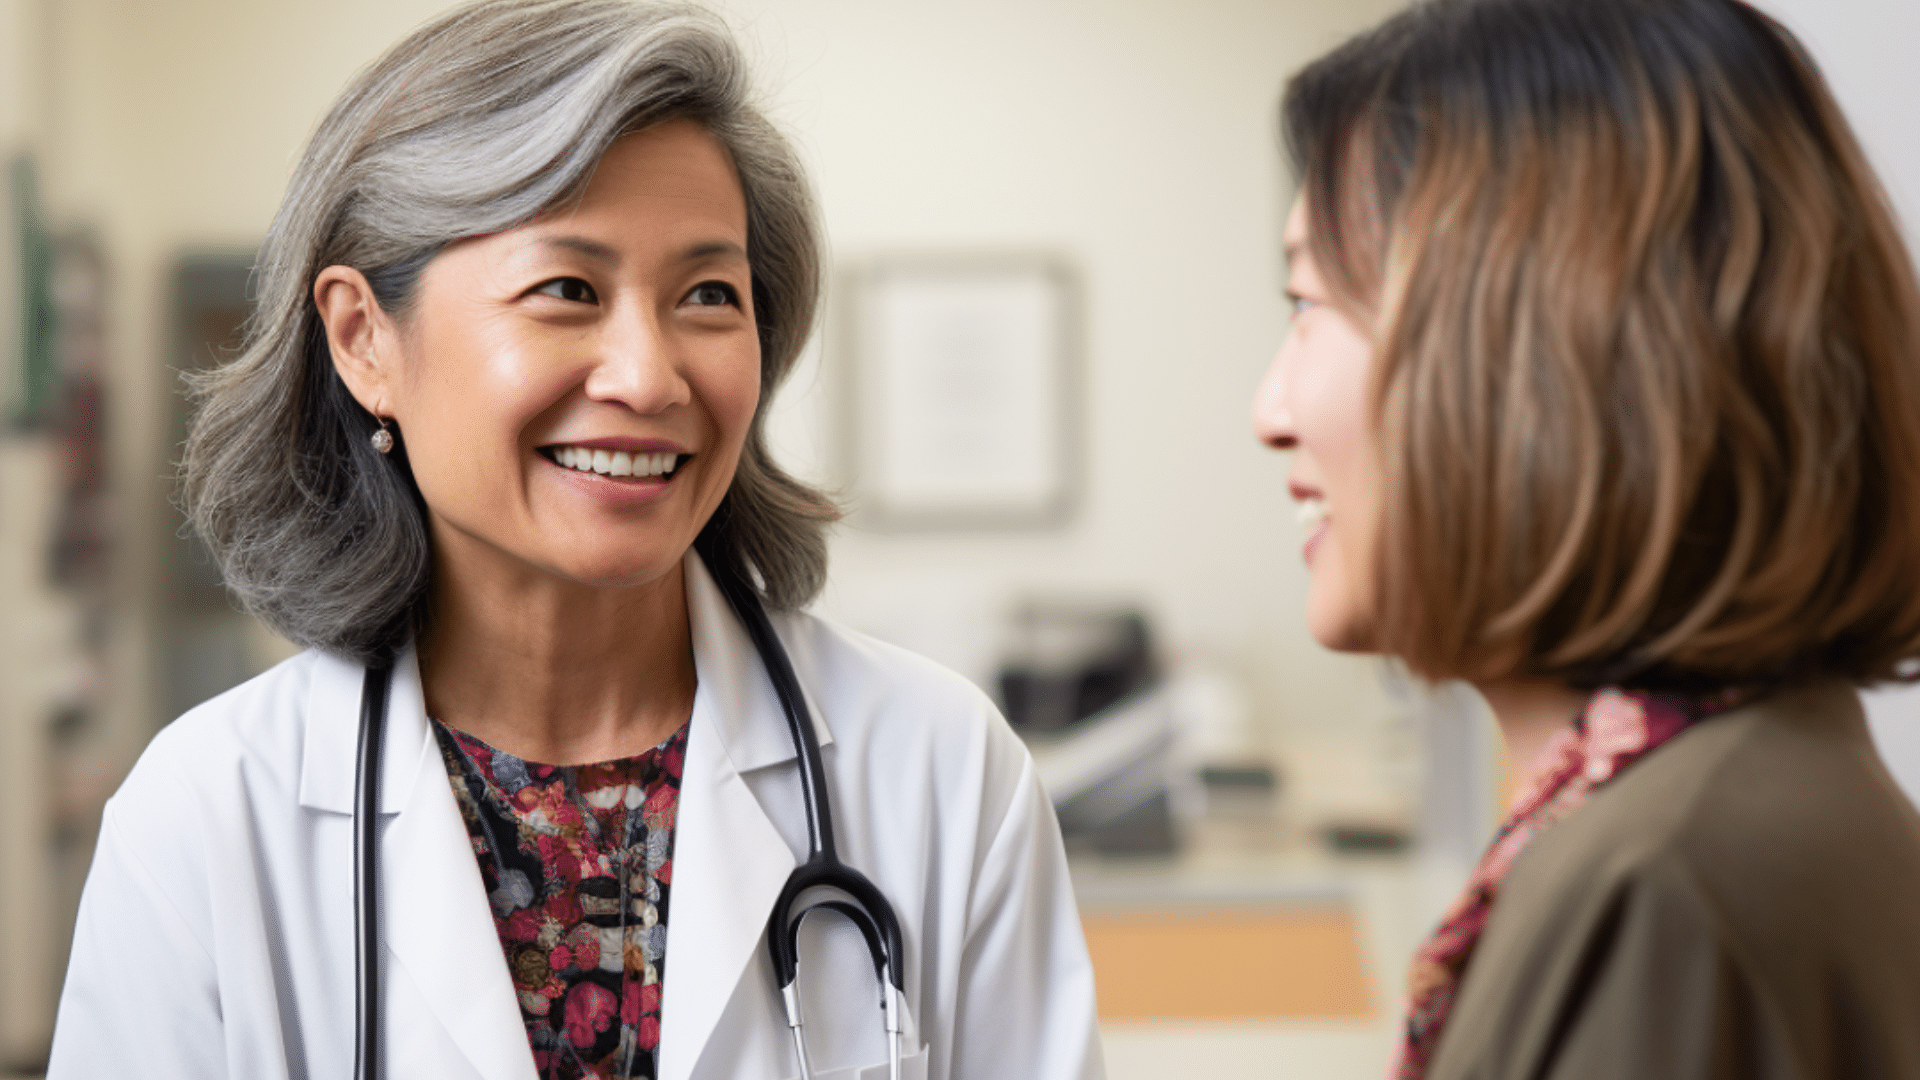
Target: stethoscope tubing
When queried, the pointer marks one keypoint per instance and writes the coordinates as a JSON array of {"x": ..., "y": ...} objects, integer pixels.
[
  {"x": 366, "y": 873},
  {"x": 793, "y": 704}
]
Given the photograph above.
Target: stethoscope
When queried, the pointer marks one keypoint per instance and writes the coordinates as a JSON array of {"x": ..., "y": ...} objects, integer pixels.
[{"x": 860, "y": 902}]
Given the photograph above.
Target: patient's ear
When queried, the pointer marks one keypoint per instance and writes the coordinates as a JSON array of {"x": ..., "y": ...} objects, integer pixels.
[{"x": 361, "y": 337}]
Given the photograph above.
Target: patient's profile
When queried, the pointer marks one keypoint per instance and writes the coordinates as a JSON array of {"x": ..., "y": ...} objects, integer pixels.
[{"x": 1601, "y": 385}]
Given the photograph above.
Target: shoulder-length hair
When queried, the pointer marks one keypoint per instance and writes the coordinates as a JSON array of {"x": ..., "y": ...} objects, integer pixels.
[
  {"x": 483, "y": 119},
  {"x": 1647, "y": 403}
]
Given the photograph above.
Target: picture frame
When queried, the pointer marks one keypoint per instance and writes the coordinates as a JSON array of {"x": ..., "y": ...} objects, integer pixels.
[{"x": 962, "y": 377}]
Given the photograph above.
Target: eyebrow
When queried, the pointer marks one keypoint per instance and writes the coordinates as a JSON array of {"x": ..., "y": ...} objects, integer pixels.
[
  {"x": 607, "y": 253},
  {"x": 712, "y": 249},
  {"x": 1291, "y": 251},
  {"x": 580, "y": 245}
]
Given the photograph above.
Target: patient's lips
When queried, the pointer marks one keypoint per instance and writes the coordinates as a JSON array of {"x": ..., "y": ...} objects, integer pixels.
[{"x": 1311, "y": 512}]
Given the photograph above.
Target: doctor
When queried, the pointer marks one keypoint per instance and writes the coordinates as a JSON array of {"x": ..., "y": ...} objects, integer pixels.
[{"x": 533, "y": 281}]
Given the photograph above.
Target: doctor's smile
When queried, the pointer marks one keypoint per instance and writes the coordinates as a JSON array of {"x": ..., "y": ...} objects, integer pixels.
[
  {"x": 620, "y": 477},
  {"x": 616, "y": 458}
]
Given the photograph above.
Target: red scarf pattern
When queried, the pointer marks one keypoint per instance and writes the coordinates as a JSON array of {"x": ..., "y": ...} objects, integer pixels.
[{"x": 1615, "y": 729}]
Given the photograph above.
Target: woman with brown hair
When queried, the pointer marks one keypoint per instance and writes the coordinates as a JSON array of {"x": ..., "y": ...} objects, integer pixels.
[{"x": 1602, "y": 389}]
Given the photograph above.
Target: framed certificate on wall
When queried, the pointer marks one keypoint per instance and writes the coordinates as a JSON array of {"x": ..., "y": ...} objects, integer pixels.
[{"x": 963, "y": 378}]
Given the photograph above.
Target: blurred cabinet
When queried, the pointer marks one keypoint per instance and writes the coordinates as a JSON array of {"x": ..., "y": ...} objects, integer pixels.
[
  {"x": 56, "y": 586},
  {"x": 36, "y": 634},
  {"x": 204, "y": 644}
]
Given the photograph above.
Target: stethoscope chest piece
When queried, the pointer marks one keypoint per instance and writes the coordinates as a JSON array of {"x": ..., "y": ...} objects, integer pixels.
[
  {"x": 868, "y": 911},
  {"x": 854, "y": 897}
]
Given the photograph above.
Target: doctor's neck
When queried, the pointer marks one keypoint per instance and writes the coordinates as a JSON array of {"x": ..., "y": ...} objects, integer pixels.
[{"x": 551, "y": 670}]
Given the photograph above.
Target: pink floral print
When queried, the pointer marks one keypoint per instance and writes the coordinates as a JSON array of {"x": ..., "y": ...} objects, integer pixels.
[{"x": 577, "y": 862}]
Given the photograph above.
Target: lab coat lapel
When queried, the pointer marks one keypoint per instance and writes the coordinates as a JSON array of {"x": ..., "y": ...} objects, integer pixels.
[
  {"x": 729, "y": 860},
  {"x": 437, "y": 923},
  {"x": 333, "y": 734}
]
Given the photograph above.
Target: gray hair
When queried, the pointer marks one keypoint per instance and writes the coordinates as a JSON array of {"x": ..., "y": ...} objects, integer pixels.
[{"x": 488, "y": 117}]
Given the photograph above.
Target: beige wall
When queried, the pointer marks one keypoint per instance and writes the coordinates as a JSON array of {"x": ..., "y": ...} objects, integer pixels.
[{"x": 1865, "y": 49}]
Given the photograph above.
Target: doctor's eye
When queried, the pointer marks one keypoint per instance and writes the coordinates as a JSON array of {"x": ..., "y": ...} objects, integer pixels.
[
  {"x": 1301, "y": 304},
  {"x": 568, "y": 288},
  {"x": 713, "y": 294}
]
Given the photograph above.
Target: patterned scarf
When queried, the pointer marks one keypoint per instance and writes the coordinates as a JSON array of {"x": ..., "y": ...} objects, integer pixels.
[{"x": 1615, "y": 729}]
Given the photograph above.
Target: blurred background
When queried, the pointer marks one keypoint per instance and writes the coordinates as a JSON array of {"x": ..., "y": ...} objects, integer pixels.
[{"x": 1261, "y": 831}]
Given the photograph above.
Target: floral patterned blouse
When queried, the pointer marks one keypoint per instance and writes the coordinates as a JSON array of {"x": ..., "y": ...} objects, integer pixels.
[{"x": 578, "y": 861}]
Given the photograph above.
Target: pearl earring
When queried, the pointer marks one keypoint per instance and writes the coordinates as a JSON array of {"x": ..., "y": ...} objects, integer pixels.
[{"x": 383, "y": 439}]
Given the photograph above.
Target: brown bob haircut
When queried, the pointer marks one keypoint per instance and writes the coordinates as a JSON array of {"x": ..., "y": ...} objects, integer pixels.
[{"x": 1646, "y": 333}]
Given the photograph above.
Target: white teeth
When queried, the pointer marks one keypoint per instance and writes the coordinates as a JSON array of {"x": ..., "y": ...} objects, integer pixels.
[
  {"x": 1311, "y": 511},
  {"x": 614, "y": 462}
]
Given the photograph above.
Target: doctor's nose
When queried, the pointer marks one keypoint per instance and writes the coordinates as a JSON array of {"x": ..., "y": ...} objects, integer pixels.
[
  {"x": 639, "y": 366},
  {"x": 1272, "y": 420}
]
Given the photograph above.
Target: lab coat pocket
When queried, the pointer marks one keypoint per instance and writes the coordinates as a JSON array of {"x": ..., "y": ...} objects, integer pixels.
[{"x": 912, "y": 1067}]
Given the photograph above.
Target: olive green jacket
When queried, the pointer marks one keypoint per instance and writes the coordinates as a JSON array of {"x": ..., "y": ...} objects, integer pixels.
[{"x": 1743, "y": 903}]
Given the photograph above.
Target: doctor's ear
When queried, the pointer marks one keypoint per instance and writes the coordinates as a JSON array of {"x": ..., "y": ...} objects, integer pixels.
[{"x": 362, "y": 338}]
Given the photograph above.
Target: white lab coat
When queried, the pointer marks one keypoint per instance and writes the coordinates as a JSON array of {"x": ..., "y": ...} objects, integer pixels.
[{"x": 215, "y": 936}]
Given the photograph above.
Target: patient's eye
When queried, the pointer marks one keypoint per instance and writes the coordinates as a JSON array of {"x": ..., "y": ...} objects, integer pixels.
[{"x": 713, "y": 294}]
